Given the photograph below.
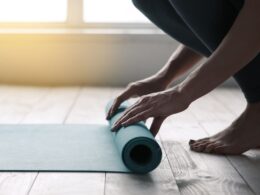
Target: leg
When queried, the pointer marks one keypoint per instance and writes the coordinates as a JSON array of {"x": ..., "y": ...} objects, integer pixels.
[
  {"x": 210, "y": 21},
  {"x": 162, "y": 14}
]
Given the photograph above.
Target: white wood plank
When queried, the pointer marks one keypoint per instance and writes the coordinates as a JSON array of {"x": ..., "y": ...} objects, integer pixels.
[
  {"x": 159, "y": 181},
  {"x": 68, "y": 184},
  {"x": 18, "y": 102},
  {"x": 15, "y": 104},
  {"x": 73, "y": 183},
  {"x": 231, "y": 98},
  {"x": 90, "y": 106},
  {"x": 54, "y": 107},
  {"x": 208, "y": 111}
]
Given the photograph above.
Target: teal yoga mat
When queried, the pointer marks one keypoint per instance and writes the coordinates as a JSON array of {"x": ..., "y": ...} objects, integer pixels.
[{"x": 79, "y": 148}]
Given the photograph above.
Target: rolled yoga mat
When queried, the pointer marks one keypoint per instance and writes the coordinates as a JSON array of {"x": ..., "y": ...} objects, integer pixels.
[{"x": 88, "y": 148}]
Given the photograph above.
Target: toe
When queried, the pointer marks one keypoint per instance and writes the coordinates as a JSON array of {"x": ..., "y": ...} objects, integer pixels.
[
  {"x": 191, "y": 142},
  {"x": 198, "y": 143},
  {"x": 203, "y": 139},
  {"x": 200, "y": 147},
  {"x": 211, "y": 147}
]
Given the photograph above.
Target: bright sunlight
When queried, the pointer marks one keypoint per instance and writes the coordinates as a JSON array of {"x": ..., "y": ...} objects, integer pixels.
[
  {"x": 115, "y": 11},
  {"x": 33, "y": 10}
]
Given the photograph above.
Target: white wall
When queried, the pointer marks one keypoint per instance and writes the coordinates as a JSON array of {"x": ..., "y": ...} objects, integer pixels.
[{"x": 81, "y": 58}]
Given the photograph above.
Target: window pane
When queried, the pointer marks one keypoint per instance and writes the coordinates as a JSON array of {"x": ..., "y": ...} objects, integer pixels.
[
  {"x": 114, "y": 11},
  {"x": 33, "y": 10}
]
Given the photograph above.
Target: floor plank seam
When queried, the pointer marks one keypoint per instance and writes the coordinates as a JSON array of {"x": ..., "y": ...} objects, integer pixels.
[
  {"x": 105, "y": 181},
  {"x": 33, "y": 182},
  {"x": 240, "y": 175},
  {"x": 166, "y": 157},
  {"x": 72, "y": 105},
  {"x": 227, "y": 108},
  {"x": 48, "y": 90}
]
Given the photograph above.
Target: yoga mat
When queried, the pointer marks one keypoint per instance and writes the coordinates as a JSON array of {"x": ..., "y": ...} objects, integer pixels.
[{"x": 79, "y": 148}]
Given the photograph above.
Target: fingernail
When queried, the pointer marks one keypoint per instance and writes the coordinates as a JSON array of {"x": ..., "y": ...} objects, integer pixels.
[{"x": 115, "y": 128}]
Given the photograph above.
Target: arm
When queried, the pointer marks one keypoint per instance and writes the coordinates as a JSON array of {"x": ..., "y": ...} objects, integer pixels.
[
  {"x": 239, "y": 47},
  {"x": 179, "y": 63},
  {"x": 182, "y": 60}
]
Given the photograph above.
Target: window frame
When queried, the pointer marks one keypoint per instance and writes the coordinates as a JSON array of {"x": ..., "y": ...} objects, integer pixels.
[{"x": 75, "y": 19}]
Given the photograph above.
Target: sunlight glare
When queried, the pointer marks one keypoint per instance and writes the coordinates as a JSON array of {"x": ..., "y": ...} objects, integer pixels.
[
  {"x": 115, "y": 11},
  {"x": 33, "y": 10}
]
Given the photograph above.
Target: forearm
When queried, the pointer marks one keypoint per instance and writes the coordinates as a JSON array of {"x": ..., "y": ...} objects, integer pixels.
[
  {"x": 179, "y": 63},
  {"x": 238, "y": 48}
]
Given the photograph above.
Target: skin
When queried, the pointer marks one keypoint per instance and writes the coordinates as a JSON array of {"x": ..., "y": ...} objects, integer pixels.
[
  {"x": 227, "y": 59},
  {"x": 182, "y": 60}
]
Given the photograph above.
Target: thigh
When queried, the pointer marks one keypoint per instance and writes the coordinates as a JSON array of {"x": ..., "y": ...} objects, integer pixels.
[
  {"x": 210, "y": 20},
  {"x": 163, "y": 15}
]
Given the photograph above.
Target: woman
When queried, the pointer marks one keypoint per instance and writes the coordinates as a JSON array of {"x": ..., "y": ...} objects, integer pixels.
[{"x": 227, "y": 32}]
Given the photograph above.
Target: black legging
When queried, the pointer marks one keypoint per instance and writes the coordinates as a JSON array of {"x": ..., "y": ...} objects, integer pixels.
[{"x": 201, "y": 26}]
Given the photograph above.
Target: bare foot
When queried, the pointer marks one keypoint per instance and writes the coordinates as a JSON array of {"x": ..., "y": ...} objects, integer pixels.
[{"x": 243, "y": 134}]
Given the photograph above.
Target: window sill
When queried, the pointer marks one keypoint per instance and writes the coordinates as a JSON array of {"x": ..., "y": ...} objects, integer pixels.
[{"x": 81, "y": 31}]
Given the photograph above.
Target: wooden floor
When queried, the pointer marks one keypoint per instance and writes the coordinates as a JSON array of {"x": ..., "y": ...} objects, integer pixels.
[{"x": 181, "y": 171}]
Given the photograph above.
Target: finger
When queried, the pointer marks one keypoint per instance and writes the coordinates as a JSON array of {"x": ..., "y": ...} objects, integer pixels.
[
  {"x": 116, "y": 124},
  {"x": 134, "y": 119},
  {"x": 120, "y": 122},
  {"x": 140, "y": 102},
  {"x": 138, "y": 107},
  {"x": 156, "y": 125},
  {"x": 139, "y": 117},
  {"x": 130, "y": 109},
  {"x": 134, "y": 111},
  {"x": 117, "y": 102}
]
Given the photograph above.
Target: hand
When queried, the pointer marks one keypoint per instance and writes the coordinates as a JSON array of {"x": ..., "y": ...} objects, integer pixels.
[
  {"x": 137, "y": 89},
  {"x": 157, "y": 105}
]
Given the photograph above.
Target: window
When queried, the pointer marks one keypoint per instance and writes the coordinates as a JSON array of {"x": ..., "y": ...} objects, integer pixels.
[
  {"x": 69, "y": 13},
  {"x": 33, "y": 10},
  {"x": 112, "y": 11}
]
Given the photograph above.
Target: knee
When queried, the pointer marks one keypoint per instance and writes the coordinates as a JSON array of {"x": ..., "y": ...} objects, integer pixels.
[{"x": 142, "y": 5}]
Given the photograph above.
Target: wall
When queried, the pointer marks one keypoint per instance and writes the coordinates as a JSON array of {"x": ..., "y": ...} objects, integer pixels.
[{"x": 112, "y": 59}]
